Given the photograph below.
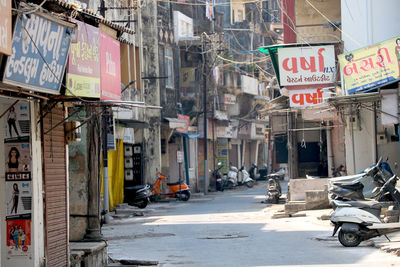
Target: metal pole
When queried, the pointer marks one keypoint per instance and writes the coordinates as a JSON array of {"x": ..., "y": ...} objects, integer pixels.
[
  {"x": 352, "y": 138},
  {"x": 105, "y": 163},
  {"x": 205, "y": 116}
]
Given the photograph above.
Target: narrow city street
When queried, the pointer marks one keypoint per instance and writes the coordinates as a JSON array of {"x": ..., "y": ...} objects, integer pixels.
[{"x": 233, "y": 228}]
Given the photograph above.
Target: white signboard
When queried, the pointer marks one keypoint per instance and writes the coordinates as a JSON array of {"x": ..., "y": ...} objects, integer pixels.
[
  {"x": 307, "y": 97},
  {"x": 179, "y": 156},
  {"x": 307, "y": 65},
  {"x": 229, "y": 99}
]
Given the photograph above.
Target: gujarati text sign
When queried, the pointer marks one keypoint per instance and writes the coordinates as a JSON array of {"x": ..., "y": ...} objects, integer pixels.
[
  {"x": 307, "y": 97},
  {"x": 39, "y": 52},
  {"x": 83, "y": 72},
  {"x": 371, "y": 66},
  {"x": 307, "y": 65},
  {"x": 5, "y": 27}
]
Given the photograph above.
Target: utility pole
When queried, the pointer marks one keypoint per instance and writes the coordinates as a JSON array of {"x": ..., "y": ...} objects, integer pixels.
[{"x": 205, "y": 114}]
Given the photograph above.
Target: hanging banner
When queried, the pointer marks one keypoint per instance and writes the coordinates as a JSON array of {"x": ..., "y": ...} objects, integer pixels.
[
  {"x": 307, "y": 65},
  {"x": 39, "y": 53},
  {"x": 5, "y": 27},
  {"x": 83, "y": 71},
  {"x": 110, "y": 68},
  {"x": 19, "y": 238},
  {"x": 371, "y": 66},
  {"x": 187, "y": 122},
  {"x": 307, "y": 97}
]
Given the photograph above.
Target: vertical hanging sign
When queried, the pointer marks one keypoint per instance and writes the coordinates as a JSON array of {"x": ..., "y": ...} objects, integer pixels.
[
  {"x": 17, "y": 155},
  {"x": 5, "y": 27},
  {"x": 110, "y": 68}
]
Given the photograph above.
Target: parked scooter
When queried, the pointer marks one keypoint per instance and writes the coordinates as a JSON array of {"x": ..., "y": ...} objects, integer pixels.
[
  {"x": 258, "y": 174},
  {"x": 357, "y": 187},
  {"x": 220, "y": 180},
  {"x": 360, "y": 220},
  {"x": 179, "y": 190},
  {"x": 138, "y": 196},
  {"x": 238, "y": 177},
  {"x": 274, "y": 190}
]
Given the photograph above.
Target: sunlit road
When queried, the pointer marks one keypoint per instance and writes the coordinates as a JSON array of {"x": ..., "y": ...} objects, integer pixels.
[{"x": 233, "y": 229}]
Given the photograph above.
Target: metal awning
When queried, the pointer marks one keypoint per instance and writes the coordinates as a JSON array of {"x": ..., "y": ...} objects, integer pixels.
[
  {"x": 175, "y": 123},
  {"x": 357, "y": 98},
  {"x": 188, "y": 135}
]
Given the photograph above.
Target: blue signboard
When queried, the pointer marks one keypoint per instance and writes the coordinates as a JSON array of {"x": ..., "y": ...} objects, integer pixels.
[{"x": 39, "y": 53}]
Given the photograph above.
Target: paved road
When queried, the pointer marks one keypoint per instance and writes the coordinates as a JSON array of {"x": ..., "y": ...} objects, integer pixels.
[{"x": 233, "y": 229}]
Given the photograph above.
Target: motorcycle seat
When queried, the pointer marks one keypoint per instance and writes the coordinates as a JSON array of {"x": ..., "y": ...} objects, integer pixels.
[
  {"x": 350, "y": 185},
  {"x": 371, "y": 204},
  {"x": 134, "y": 188},
  {"x": 176, "y": 183}
]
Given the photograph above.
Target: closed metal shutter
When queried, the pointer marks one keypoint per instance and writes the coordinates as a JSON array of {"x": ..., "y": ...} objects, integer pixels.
[{"x": 55, "y": 187}]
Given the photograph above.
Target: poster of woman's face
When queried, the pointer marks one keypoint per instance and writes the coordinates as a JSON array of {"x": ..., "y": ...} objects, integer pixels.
[{"x": 17, "y": 161}]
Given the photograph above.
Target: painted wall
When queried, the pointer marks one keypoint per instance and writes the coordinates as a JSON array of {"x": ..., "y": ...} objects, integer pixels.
[{"x": 366, "y": 22}]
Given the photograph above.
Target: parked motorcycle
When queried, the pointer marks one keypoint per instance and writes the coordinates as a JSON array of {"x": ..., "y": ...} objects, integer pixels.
[
  {"x": 238, "y": 177},
  {"x": 360, "y": 220},
  {"x": 179, "y": 190},
  {"x": 258, "y": 174},
  {"x": 138, "y": 196},
  {"x": 359, "y": 186},
  {"x": 274, "y": 190},
  {"x": 220, "y": 180}
]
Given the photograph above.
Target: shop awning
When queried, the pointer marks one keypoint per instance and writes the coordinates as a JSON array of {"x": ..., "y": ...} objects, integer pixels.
[
  {"x": 175, "y": 123},
  {"x": 132, "y": 123},
  {"x": 190, "y": 136}
]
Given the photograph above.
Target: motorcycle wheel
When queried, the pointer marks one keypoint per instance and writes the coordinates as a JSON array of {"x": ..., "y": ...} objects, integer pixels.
[
  {"x": 250, "y": 184},
  {"x": 142, "y": 204},
  {"x": 276, "y": 200},
  {"x": 229, "y": 185},
  {"x": 349, "y": 239},
  {"x": 185, "y": 196}
]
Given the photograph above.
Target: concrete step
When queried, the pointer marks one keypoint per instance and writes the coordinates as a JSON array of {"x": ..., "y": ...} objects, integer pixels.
[{"x": 295, "y": 206}]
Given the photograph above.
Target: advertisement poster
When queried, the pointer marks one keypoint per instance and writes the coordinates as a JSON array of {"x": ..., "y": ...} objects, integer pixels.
[
  {"x": 307, "y": 97},
  {"x": 38, "y": 43},
  {"x": 19, "y": 237},
  {"x": 371, "y": 66},
  {"x": 110, "y": 68},
  {"x": 307, "y": 65},
  {"x": 18, "y": 122},
  {"x": 18, "y": 199},
  {"x": 5, "y": 27},
  {"x": 83, "y": 70}
]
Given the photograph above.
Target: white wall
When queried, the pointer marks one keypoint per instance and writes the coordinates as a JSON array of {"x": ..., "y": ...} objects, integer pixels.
[
  {"x": 37, "y": 225},
  {"x": 366, "y": 22}
]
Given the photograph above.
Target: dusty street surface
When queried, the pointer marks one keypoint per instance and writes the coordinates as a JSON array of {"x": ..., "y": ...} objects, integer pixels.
[{"x": 233, "y": 229}]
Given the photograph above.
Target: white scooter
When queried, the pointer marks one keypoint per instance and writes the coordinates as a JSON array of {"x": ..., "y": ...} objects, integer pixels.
[
  {"x": 238, "y": 177},
  {"x": 360, "y": 220}
]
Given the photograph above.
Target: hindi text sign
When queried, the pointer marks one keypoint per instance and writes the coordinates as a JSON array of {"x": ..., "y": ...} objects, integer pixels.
[{"x": 110, "y": 68}]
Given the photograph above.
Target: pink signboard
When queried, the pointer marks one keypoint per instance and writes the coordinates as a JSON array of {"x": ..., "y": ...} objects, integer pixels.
[
  {"x": 110, "y": 68},
  {"x": 83, "y": 72}
]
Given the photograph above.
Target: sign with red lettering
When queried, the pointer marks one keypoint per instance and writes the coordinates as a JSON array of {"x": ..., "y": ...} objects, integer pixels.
[
  {"x": 371, "y": 66},
  {"x": 307, "y": 97},
  {"x": 110, "y": 68},
  {"x": 187, "y": 121},
  {"x": 307, "y": 65},
  {"x": 5, "y": 27}
]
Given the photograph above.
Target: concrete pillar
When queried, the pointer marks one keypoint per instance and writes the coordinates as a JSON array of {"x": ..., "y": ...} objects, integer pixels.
[{"x": 329, "y": 151}]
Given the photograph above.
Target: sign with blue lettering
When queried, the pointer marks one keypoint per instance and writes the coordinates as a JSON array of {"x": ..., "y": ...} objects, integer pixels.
[{"x": 39, "y": 53}]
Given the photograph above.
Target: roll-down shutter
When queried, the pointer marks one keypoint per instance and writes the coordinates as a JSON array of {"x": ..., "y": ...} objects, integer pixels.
[{"x": 55, "y": 187}]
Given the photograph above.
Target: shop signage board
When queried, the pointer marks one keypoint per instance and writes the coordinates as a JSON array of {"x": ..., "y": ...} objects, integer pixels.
[
  {"x": 83, "y": 70},
  {"x": 187, "y": 121},
  {"x": 307, "y": 65},
  {"x": 39, "y": 53},
  {"x": 307, "y": 97},
  {"x": 224, "y": 131},
  {"x": 179, "y": 156},
  {"x": 371, "y": 66},
  {"x": 229, "y": 99},
  {"x": 110, "y": 68},
  {"x": 5, "y": 27}
]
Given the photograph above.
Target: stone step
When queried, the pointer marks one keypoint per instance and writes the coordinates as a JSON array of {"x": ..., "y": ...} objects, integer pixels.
[{"x": 295, "y": 206}]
